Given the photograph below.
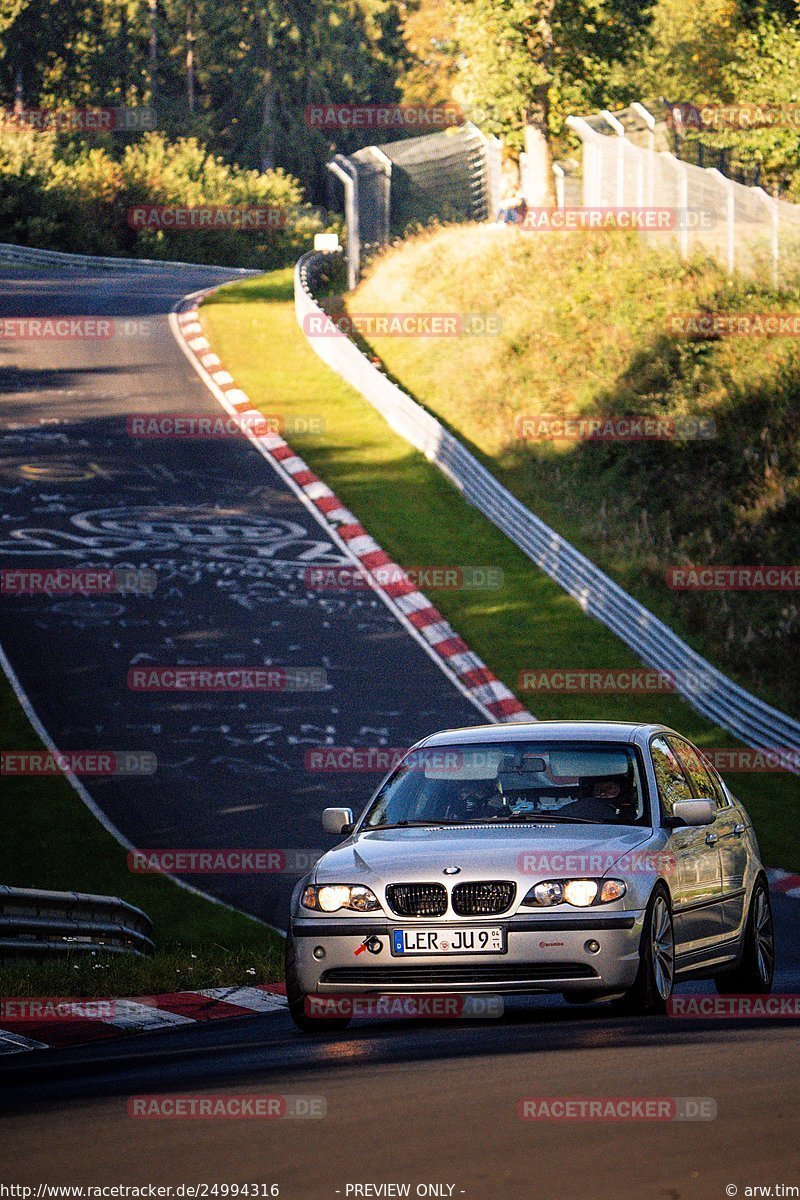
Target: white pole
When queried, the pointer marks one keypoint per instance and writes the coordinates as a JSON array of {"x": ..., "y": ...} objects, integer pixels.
[
  {"x": 558, "y": 172},
  {"x": 772, "y": 210},
  {"x": 619, "y": 130},
  {"x": 592, "y": 163},
  {"x": 683, "y": 199},
  {"x": 727, "y": 186},
  {"x": 650, "y": 122}
]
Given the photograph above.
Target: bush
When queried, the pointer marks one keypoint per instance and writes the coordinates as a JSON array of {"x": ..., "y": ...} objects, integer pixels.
[{"x": 63, "y": 194}]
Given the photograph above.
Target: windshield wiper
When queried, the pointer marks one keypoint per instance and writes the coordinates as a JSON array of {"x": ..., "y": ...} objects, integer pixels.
[
  {"x": 530, "y": 818},
  {"x": 414, "y": 824},
  {"x": 533, "y": 818}
]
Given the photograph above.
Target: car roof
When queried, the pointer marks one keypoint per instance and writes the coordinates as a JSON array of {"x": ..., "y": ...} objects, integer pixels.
[{"x": 544, "y": 731}]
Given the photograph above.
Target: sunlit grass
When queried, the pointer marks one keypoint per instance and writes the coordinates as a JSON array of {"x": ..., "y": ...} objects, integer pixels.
[
  {"x": 585, "y": 331},
  {"x": 50, "y": 840},
  {"x": 419, "y": 518}
]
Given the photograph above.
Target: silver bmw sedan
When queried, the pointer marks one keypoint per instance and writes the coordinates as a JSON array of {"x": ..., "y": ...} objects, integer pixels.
[{"x": 593, "y": 859}]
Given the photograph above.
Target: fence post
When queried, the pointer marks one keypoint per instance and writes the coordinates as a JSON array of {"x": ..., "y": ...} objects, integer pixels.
[
  {"x": 619, "y": 130},
  {"x": 727, "y": 186},
  {"x": 343, "y": 169},
  {"x": 683, "y": 198},
  {"x": 774, "y": 247},
  {"x": 592, "y": 160},
  {"x": 493, "y": 152},
  {"x": 558, "y": 173},
  {"x": 385, "y": 164},
  {"x": 650, "y": 122}
]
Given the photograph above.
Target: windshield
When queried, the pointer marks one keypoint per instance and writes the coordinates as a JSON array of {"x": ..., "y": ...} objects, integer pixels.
[{"x": 592, "y": 783}]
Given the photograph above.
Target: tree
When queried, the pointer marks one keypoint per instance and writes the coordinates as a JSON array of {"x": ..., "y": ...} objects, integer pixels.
[{"x": 524, "y": 65}]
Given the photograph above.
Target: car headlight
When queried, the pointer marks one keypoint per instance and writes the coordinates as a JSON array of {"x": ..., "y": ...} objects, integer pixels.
[
  {"x": 580, "y": 893},
  {"x": 330, "y": 897},
  {"x": 612, "y": 889}
]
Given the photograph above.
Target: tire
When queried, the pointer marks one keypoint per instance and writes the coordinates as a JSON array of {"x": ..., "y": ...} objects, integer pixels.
[
  {"x": 655, "y": 978},
  {"x": 296, "y": 998},
  {"x": 753, "y": 976}
]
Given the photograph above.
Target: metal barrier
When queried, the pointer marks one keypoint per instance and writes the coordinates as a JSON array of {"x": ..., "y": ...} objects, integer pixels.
[
  {"x": 11, "y": 253},
  {"x": 36, "y": 924},
  {"x": 707, "y": 689}
]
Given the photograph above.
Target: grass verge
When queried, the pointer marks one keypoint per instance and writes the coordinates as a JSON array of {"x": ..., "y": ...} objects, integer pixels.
[
  {"x": 594, "y": 325},
  {"x": 51, "y": 840},
  {"x": 419, "y": 518}
]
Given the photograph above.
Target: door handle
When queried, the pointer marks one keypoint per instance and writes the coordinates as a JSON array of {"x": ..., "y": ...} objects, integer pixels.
[
  {"x": 712, "y": 839},
  {"x": 739, "y": 828}
]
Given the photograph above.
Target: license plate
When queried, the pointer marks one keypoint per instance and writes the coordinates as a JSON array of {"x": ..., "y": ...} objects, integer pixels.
[{"x": 468, "y": 940}]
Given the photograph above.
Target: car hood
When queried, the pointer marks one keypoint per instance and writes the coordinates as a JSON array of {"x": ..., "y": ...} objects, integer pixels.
[{"x": 480, "y": 852}]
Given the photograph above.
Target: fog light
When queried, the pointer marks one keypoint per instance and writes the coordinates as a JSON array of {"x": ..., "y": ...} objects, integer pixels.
[
  {"x": 592, "y": 946},
  {"x": 319, "y": 952}
]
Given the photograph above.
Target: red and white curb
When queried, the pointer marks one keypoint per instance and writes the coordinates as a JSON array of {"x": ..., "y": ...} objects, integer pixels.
[
  {"x": 784, "y": 882},
  {"x": 470, "y": 673},
  {"x": 145, "y": 1014}
]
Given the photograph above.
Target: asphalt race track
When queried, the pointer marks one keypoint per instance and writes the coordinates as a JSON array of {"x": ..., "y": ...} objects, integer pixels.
[
  {"x": 230, "y": 545},
  {"x": 417, "y": 1103},
  {"x": 413, "y": 1102}
]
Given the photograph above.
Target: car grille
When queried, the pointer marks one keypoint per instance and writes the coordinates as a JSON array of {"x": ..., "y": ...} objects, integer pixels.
[
  {"x": 451, "y": 973},
  {"x": 417, "y": 899},
  {"x": 482, "y": 899}
]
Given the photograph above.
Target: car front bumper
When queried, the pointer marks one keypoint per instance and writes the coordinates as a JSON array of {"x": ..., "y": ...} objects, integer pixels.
[{"x": 542, "y": 955}]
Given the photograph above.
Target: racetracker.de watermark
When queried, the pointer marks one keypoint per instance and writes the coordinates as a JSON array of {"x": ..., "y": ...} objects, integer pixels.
[
  {"x": 596, "y": 679},
  {"x": 78, "y": 762},
  {"x": 127, "y": 119},
  {"x": 567, "y": 864},
  {"x": 701, "y": 326},
  {"x": 202, "y": 218},
  {"x": 758, "y": 577},
  {"x": 80, "y": 329},
  {"x": 403, "y": 324},
  {"x": 80, "y": 581},
  {"x": 197, "y": 427},
  {"x": 349, "y": 115},
  {"x": 241, "y": 1107},
  {"x": 741, "y": 117},
  {"x": 380, "y": 759},
  {"x": 55, "y": 1008},
  {"x": 184, "y": 861},
  {"x": 47, "y": 329},
  {"x": 227, "y": 679},
  {"x": 426, "y": 578},
  {"x": 747, "y": 761},
  {"x": 616, "y": 219},
  {"x": 431, "y": 1006},
  {"x": 641, "y": 427},
  {"x": 774, "y": 1007},
  {"x": 617, "y": 1108}
]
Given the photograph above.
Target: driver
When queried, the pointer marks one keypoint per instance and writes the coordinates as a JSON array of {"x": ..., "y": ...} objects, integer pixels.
[{"x": 605, "y": 797}]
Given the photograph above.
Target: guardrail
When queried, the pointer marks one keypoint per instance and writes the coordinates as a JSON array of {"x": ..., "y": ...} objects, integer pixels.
[
  {"x": 36, "y": 924},
  {"x": 86, "y": 262},
  {"x": 706, "y": 688}
]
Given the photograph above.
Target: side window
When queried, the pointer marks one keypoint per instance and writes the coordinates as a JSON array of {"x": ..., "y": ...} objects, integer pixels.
[
  {"x": 703, "y": 785},
  {"x": 670, "y": 778},
  {"x": 723, "y": 799}
]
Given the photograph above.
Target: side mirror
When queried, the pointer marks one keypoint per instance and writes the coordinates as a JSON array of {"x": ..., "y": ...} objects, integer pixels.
[
  {"x": 337, "y": 820},
  {"x": 694, "y": 812}
]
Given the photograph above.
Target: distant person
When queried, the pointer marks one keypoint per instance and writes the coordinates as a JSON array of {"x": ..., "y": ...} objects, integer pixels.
[{"x": 512, "y": 211}]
